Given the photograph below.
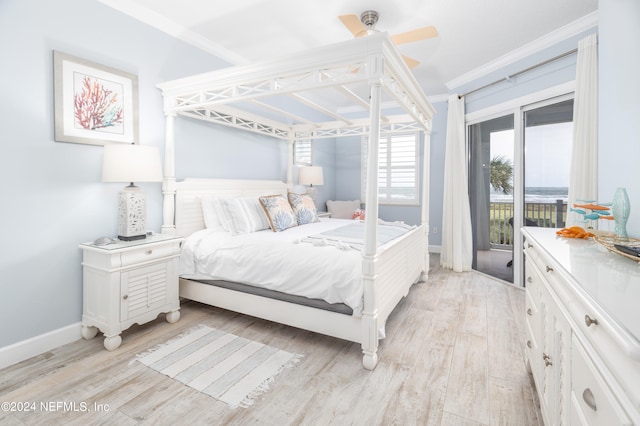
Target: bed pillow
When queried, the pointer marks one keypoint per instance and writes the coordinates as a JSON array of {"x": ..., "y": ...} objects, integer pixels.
[
  {"x": 279, "y": 212},
  {"x": 210, "y": 213},
  {"x": 342, "y": 209},
  {"x": 303, "y": 208},
  {"x": 245, "y": 215}
]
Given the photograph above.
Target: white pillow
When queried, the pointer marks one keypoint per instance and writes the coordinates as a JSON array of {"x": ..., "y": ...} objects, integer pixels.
[
  {"x": 342, "y": 209},
  {"x": 223, "y": 215},
  {"x": 245, "y": 215},
  {"x": 210, "y": 213}
]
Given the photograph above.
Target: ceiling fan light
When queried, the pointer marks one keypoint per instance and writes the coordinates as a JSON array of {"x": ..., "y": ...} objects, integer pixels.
[{"x": 366, "y": 32}]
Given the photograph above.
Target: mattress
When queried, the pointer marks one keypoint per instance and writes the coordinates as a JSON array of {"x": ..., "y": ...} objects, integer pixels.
[{"x": 288, "y": 262}]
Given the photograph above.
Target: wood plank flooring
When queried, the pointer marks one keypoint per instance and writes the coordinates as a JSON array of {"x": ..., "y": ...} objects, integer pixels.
[{"x": 453, "y": 355}]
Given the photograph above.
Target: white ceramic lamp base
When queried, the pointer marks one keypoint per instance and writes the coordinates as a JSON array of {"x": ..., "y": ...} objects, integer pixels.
[
  {"x": 132, "y": 212},
  {"x": 313, "y": 193}
]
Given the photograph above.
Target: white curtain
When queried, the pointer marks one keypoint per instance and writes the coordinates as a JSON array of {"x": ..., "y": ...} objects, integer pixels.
[
  {"x": 457, "y": 247},
  {"x": 583, "y": 177}
]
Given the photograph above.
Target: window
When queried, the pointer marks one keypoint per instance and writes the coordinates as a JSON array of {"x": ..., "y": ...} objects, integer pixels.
[
  {"x": 302, "y": 152},
  {"x": 398, "y": 169}
]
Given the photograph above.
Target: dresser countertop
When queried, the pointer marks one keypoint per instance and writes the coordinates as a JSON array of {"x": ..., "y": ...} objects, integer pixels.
[{"x": 609, "y": 281}]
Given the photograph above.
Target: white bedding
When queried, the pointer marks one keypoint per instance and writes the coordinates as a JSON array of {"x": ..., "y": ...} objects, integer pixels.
[{"x": 279, "y": 261}]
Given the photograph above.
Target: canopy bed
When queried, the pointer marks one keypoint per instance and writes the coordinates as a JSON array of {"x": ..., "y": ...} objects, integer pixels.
[{"x": 365, "y": 75}]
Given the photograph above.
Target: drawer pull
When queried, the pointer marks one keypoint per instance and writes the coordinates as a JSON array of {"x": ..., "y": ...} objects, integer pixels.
[
  {"x": 529, "y": 312},
  {"x": 529, "y": 344},
  {"x": 589, "y": 399},
  {"x": 149, "y": 252},
  {"x": 588, "y": 320},
  {"x": 549, "y": 269},
  {"x": 125, "y": 297},
  {"x": 529, "y": 280},
  {"x": 547, "y": 363},
  {"x": 529, "y": 245}
]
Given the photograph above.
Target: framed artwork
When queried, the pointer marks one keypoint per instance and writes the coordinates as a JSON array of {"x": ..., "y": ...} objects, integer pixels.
[{"x": 94, "y": 104}]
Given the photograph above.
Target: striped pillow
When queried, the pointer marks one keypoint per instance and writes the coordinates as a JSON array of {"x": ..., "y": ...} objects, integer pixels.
[{"x": 245, "y": 215}]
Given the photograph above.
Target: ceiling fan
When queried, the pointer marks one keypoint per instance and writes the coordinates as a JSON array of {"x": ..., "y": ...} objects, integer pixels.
[{"x": 365, "y": 25}]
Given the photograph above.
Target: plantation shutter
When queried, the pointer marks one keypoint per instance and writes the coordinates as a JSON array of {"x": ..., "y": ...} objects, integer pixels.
[
  {"x": 398, "y": 169},
  {"x": 302, "y": 152}
]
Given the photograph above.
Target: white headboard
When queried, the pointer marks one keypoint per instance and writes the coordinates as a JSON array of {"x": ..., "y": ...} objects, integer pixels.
[{"x": 189, "y": 192}]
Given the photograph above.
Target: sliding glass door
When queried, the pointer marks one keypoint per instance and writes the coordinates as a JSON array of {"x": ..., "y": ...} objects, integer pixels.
[
  {"x": 518, "y": 176},
  {"x": 548, "y": 136},
  {"x": 491, "y": 161}
]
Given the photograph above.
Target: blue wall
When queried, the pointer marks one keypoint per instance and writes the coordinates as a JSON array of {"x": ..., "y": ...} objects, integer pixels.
[
  {"x": 619, "y": 104},
  {"x": 53, "y": 198}
]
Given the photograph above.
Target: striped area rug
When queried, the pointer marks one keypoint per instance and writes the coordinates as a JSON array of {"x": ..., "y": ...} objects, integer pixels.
[{"x": 227, "y": 367}]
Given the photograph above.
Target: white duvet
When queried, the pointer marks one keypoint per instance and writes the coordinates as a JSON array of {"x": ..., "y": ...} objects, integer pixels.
[{"x": 279, "y": 261}]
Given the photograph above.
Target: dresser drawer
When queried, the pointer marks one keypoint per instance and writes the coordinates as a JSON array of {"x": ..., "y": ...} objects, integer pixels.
[
  {"x": 596, "y": 330},
  {"x": 592, "y": 402},
  {"x": 148, "y": 253}
]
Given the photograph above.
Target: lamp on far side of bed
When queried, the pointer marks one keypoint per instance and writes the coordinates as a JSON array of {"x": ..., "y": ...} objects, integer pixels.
[
  {"x": 311, "y": 175},
  {"x": 131, "y": 163}
]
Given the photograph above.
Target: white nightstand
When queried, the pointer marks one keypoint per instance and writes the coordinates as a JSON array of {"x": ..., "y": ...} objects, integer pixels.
[
  {"x": 129, "y": 282},
  {"x": 324, "y": 214}
]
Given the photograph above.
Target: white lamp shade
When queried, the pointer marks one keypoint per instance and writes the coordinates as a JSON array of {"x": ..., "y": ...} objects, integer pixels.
[
  {"x": 311, "y": 175},
  {"x": 131, "y": 163}
]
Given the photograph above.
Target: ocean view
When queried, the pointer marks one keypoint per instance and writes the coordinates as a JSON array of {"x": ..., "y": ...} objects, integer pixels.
[{"x": 535, "y": 194}]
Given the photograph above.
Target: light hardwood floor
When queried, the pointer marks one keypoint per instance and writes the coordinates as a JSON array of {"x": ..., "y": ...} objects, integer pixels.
[{"x": 453, "y": 356}]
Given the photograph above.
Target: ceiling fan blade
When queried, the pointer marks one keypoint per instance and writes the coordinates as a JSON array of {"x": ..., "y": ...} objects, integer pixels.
[
  {"x": 353, "y": 24},
  {"x": 412, "y": 63},
  {"x": 415, "y": 35}
]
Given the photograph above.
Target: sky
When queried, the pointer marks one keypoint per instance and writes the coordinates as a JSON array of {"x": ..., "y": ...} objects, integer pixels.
[{"x": 547, "y": 153}]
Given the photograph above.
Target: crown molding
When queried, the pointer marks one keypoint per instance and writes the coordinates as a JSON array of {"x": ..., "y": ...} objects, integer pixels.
[
  {"x": 443, "y": 97},
  {"x": 574, "y": 28},
  {"x": 165, "y": 25}
]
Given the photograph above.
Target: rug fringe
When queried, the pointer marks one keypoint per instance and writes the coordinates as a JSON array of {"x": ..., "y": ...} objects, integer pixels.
[
  {"x": 264, "y": 386},
  {"x": 168, "y": 342}
]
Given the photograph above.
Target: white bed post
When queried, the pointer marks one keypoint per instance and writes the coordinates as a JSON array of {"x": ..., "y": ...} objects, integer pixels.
[
  {"x": 426, "y": 161},
  {"x": 169, "y": 182},
  {"x": 369, "y": 257},
  {"x": 290, "y": 160}
]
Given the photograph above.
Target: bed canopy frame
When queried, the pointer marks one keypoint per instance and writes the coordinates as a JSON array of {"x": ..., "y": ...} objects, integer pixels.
[{"x": 376, "y": 94}]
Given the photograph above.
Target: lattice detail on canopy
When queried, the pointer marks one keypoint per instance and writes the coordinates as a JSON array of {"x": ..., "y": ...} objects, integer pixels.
[{"x": 287, "y": 98}]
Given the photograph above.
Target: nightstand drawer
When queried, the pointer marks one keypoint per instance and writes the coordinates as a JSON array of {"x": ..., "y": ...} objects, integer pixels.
[{"x": 147, "y": 254}]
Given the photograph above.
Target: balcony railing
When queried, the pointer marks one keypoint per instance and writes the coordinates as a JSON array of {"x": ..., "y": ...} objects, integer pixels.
[{"x": 546, "y": 215}]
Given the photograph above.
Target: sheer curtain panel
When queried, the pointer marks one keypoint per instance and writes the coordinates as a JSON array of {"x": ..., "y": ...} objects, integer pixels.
[
  {"x": 457, "y": 251},
  {"x": 583, "y": 177}
]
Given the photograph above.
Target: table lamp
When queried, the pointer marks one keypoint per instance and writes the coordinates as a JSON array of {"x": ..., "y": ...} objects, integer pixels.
[
  {"x": 131, "y": 163},
  {"x": 311, "y": 175}
]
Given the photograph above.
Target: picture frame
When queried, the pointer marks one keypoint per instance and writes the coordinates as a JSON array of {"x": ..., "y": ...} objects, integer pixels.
[{"x": 94, "y": 104}]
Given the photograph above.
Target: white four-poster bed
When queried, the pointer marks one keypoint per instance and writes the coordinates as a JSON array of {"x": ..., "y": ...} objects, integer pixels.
[{"x": 370, "y": 73}]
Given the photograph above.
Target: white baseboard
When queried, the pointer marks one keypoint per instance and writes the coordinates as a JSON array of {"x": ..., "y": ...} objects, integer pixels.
[{"x": 37, "y": 345}]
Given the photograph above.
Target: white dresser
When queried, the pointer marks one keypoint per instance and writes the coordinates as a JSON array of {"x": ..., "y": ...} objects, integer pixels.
[
  {"x": 583, "y": 330},
  {"x": 129, "y": 282}
]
